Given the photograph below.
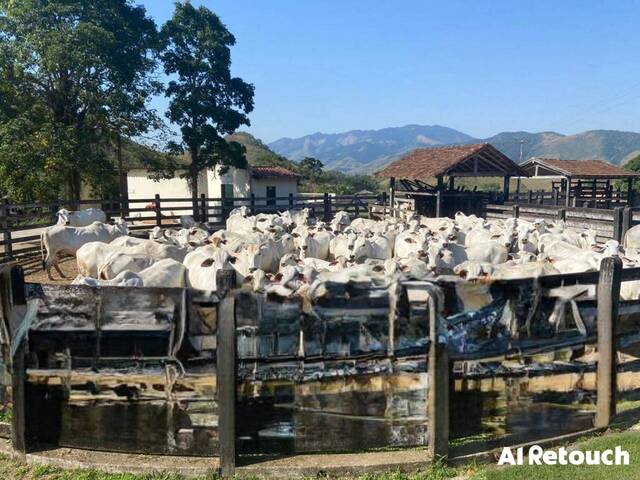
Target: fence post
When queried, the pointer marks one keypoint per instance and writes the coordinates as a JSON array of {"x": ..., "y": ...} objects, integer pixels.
[
  {"x": 627, "y": 218},
  {"x": 12, "y": 283},
  {"x": 608, "y": 294},
  {"x": 291, "y": 201},
  {"x": 327, "y": 207},
  {"x": 158, "y": 210},
  {"x": 617, "y": 224},
  {"x": 252, "y": 204},
  {"x": 515, "y": 211},
  {"x": 8, "y": 242},
  {"x": 439, "y": 203},
  {"x": 530, "y": 199},
  {"x": 204, "y": 214},
  {"x": 562, "y": 214},
  {"x": 555, "y": 196},
  {"x": 226, "y": 384},
  {"x": 438, "y": 389}
]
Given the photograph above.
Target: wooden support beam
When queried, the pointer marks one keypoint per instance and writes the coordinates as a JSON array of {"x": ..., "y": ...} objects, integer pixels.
[
  {"x": 568, "y": 192},
  {"x": 226, "y": 382},
  {"x": 608, "y": 294},
  {"x": 439, "y": 205},
  {"x": 630, "y": 191},
  {"x": 451, "y": 183}
]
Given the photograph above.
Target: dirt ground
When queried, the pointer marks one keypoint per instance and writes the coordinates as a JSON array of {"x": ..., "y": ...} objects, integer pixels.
[{"x": 35, "y": 274}]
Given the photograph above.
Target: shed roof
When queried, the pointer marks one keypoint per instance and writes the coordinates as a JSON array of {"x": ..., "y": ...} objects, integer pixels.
[
  {"x": 576, "y": 168},
  {"x": 474, "y": 160},
  {"x": 273, "y": 172}
]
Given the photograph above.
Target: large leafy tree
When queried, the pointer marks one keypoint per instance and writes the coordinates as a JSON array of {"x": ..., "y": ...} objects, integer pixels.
[
  {"x": 206, "y": 101},
  {"x": 80, "y": 73}
]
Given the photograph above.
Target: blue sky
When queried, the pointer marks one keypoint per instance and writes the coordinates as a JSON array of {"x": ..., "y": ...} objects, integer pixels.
[{"x": 478, "y": 66}]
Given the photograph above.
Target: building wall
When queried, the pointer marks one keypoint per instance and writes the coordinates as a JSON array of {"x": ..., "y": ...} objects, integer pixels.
[
  {"x": 284, "y": 186},
  {"x": 209, "y": 183},
  {"x": 239, "y": 178},
  {"x": 142, "y": 187}
]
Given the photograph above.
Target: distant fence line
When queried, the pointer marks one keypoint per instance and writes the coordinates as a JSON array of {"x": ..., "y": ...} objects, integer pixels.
[{"x": 16, "y": 219}]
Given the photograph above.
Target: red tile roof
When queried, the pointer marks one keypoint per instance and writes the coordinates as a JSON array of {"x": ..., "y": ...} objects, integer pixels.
[
  {"x": 273, "y": 172},
  {"x": 431, "y": 162},
  {"x": 578, "y": 168}
]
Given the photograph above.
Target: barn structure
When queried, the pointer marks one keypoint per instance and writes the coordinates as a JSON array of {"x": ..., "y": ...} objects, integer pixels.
[
  {"x": 581, "y": 182},
  {"x": 409, "y": 177}
]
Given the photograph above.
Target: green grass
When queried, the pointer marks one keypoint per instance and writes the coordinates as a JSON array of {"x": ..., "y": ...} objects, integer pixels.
[
  {"x": 13, "y": 469},
  {"x": 630, "y": 441}
]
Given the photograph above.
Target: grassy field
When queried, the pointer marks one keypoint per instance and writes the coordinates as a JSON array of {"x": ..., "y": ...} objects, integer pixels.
[{"x": 630, "y": 441}]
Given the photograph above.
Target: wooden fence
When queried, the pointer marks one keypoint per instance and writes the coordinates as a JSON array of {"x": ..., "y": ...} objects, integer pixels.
[
  {"x": 607, "y": 223},
  {"x": 584, "y": 197},
  {"x": 21, "y": 223},
  {"x": 234, "y": 338}
]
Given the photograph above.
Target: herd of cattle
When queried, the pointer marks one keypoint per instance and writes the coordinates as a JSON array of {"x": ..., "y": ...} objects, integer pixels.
[{"x": 292, "y": 253}]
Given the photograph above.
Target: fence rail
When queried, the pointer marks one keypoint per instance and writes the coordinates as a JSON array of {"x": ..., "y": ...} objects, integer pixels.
[
  {"x": 607, "y": 223},
  {"x": 21, "y": 223}
]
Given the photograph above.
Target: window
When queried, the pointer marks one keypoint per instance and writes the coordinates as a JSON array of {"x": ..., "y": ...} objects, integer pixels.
[{"x": 271, "y": 196}]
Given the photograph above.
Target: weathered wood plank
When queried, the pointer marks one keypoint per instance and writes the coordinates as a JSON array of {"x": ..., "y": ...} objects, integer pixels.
[{"x": 226, "y": 379}]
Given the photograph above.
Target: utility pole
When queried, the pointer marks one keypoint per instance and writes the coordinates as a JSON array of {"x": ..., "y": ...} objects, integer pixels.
[{"x": 522, "y": 142}]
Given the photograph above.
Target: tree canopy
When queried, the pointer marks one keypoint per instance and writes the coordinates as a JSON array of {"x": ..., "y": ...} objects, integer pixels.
[
  {"x": 72, "y": 73},
  {"x": 206, "y": 101}
]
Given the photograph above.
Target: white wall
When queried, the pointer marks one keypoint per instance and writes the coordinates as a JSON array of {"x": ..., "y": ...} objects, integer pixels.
[
  {"x": 239, "y": 178},
  {"x": 284, "y": 186},
  {"x": 142, "y": 187}
]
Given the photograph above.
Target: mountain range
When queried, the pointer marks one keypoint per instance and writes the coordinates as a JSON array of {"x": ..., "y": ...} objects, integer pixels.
[{"x": 365, "y": 151}]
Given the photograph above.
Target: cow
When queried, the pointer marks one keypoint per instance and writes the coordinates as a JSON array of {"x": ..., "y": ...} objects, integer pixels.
[
  {"x": 80, "y": 218},
  {"x": 203, "y": 265},
  {"x": 166, "y": 273},
  {"x": 58, "y": 239}
]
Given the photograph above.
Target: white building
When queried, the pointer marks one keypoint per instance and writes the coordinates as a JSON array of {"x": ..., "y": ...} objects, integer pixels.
[{"x": 271, "y": 186}]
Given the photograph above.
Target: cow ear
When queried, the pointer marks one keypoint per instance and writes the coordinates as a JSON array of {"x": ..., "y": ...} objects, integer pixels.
[
  {"x": 463, "y": 273},
  {"x": 193, "y": 244},
  {"x": 207, "y": 263},
  {"x": 295, "y": 235},
  {"x": 311, "y": 235},
  {"x": 278, "y": 276},
  {"x": 409, "y": 240},
  {"x": 233, "y": 259},
  {"x": 378, "y": 268}
]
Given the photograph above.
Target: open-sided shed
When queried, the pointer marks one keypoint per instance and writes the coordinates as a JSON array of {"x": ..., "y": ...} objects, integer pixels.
[
  {"x": 423, "y": 164},
  {"x": 579, "y": 181}
]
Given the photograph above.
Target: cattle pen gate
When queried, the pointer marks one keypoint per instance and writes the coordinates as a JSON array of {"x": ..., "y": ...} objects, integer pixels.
[{"x": 241, "y": 377}]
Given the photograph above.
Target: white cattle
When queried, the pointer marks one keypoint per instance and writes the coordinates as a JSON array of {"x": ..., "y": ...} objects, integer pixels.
[
  {"x": 203, "y": 265},
  {"x": 81, "y": 218},
  {"x": 124, "y": 279},
  {"x": 116, "y": 262},
  {"x": 57, "y": 240},
  {"x": 342, "y": 245},
  {"x": 315, "y": 245},
  {"x": 166, "y": 273},
  {"x": 91, "y": 257},
  {"x": 340, "y": 221},
  {"x": 632, "y": 239}
]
